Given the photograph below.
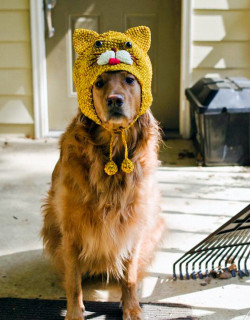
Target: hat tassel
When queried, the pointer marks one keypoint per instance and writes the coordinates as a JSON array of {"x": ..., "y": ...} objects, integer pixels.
[
  {"x": 111, "y": 167},
  {"x": 127, "y": 165}
]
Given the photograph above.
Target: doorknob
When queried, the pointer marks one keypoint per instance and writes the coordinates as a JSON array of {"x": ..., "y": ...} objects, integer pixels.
[{"x": 49, "y": 5}]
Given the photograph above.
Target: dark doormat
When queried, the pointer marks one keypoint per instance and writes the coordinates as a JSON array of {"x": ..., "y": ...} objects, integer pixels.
[{"x": 34, "y": 309}]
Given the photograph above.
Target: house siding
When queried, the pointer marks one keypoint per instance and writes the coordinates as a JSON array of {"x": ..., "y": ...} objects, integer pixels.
[
  {"x": 16, "y": 101},
  {"x": 220, "y": 38},
  {"x": 220, "y": 45}
]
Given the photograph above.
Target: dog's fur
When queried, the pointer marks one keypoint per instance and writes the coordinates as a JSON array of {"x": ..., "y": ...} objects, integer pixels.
[{"x": 95, "y": 223}]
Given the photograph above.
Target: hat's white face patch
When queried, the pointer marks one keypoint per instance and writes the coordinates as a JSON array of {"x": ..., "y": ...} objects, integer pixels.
[{"x": 111, "y": 57}]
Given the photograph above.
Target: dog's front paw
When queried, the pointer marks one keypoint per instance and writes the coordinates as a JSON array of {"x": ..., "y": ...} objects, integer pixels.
[
  {"x": 75, "y": 314},
  {"x": 132, "y": 313},
  {"x": 74, "y": 318}
]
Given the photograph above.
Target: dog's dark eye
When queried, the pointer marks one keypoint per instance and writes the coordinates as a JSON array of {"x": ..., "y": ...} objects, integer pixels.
[
  {"x": 99, "y": 83},
  {"x": 128, "y": 44},
  {"x": 98, "y": 44},
  {"x": 130, "y": 80}
]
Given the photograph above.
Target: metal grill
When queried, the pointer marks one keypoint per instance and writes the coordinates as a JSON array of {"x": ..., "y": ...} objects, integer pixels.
[{"x": 226, "y": 249}]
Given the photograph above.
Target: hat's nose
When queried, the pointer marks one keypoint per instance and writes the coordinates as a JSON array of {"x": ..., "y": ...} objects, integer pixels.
[{"x": 115, "y": 100}]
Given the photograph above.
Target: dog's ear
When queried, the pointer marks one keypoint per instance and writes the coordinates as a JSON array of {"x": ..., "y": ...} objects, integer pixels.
[
  {"x": 82, "y": 38},
  {"x": 141, "y": 36}
]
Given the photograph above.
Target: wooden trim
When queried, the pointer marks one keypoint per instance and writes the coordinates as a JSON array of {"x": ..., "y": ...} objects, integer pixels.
[
  {"x": 54, "y": 134},
  {"x": 186, "y": 67},
  {"x": 69, "y": 59},
  {"x": 40, "y": 93}
]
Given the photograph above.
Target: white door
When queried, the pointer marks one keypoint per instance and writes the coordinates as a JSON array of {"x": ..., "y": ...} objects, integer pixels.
[{"x": 163, "y": 18}]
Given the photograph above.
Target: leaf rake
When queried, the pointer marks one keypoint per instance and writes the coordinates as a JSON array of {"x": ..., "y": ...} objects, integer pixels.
[{"x": 224, "y": 251}]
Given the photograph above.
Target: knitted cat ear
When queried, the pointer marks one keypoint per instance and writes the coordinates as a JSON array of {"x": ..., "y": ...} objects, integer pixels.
[
  {"x": 141, "y": 36},
  {"x": 82, "y": 38}
]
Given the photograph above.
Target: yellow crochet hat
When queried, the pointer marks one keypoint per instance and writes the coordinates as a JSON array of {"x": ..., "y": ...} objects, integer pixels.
[{"x": 96, "y": 55}]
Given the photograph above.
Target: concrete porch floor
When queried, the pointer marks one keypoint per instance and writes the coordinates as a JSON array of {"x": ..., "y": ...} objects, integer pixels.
[{"x": 196, "y": 201}]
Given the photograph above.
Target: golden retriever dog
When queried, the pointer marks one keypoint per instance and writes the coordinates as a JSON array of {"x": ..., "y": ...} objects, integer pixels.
[{"x": 100, "y": 224}]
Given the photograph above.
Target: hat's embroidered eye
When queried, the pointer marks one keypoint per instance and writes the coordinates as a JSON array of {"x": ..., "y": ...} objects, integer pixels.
[
  {"x": 128, "y": 44},
  {"x": 98, "y": 44}
]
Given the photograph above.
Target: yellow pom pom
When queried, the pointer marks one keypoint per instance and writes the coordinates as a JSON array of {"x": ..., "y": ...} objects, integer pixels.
[
  {"x": 127, "y": 166},
  {"x": 110, "y": 168}
]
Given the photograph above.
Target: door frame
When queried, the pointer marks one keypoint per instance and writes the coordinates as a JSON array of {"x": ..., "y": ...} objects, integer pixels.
[
  {"x": 39, "y": 72},
  {"x": 185, "y": 67}
]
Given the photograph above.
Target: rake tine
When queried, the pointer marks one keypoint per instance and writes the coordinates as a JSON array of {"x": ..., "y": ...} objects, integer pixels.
[
  {"x": 217, "y": 257},
  {"x": 187, "y": 275},
  {"x": 187, "y": 262},
  {"x": 180, "y": 269},
  {"x": 200, "y": 263},
  {"x": 238, "y": 239},
  {"x": 193, "y": 265},
  {"x": 231, "y": 251},
  {"x": 232, "y": 248},
  {"x": 236, "y": 254},
  {"x": 231, "y": 240},
  {"x": 200, "y": 252},
  {"x": 227, "y": 254},
  {"x": 185, "y": 257},
  {"x": 239, "y": 261},
  {"x": 233, "y": 272},
  {"x": 228, "y": 250},
  {"x": 221, "y": 243},
  {"x": 245, "y": 264},
  {"x": 243, "y": 237},
  {"x": 209, "y": 259},
  {"x": 213, "y": 242}
]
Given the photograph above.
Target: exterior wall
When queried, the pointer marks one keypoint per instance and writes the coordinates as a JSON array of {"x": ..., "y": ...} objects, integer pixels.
[
  {"x": 16, "y": 101},
  {"x": 220, "y": 38},
  {"x": 220, "y": 47}
]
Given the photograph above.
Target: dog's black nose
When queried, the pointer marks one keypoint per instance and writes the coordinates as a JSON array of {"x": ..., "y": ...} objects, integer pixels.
[{"x": 115, "y": 100}]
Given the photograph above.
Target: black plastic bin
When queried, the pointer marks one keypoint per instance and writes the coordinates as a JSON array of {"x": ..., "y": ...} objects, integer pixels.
[{"x": 220, "y": 113}]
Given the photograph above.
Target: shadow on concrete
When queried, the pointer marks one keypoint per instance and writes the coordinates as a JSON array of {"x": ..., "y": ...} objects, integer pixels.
[
  {"x": 30, "y": 275},
  {"x": 49, "y": 309}
]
